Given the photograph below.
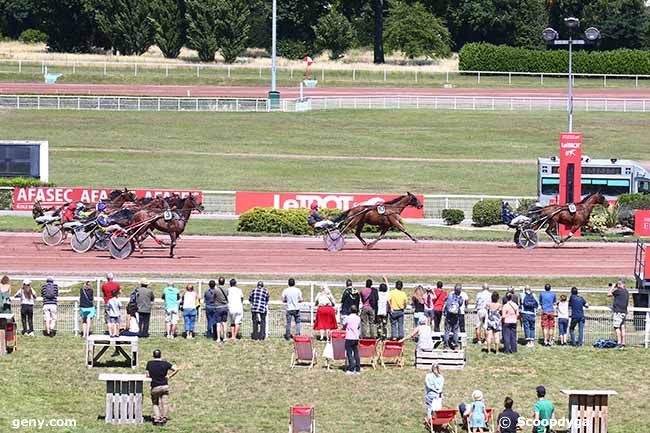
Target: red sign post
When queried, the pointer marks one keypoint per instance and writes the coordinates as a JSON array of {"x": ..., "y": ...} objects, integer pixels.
[
  {"x": 570, "y": 171},
  {"x": 642, "y": 224}
]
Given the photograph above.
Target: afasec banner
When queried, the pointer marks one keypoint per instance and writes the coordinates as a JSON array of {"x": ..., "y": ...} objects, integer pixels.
[
  {"x": 245, "y": 201},
  {"x": 642, "y": 223},
  {"x": 24, "y": 198}
]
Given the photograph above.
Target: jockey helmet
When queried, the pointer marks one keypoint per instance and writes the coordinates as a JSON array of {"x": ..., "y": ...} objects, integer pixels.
[
  {"x": 72, "y": 206},
  {"x": 314, "y": 205},
  {"x": 80, "y": 205},
  {"x": 101, "y": 207},
  {"x": 102, "y": 220}
]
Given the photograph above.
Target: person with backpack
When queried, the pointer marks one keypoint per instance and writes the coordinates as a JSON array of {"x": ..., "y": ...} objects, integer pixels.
[
  {"x": 144, "y": 300},
  {"x": 529, "y": 306},
  {"x": 50, "y": 295},
  {"x": 452, "y": 311},
  {"x": 577, "y": 304},
  {"x": 86, "y": 307},
  {"x": 132, "y": 312}
]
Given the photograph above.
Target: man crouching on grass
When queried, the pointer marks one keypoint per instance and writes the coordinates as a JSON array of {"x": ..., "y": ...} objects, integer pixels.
[{"x": 157, "y": 370}]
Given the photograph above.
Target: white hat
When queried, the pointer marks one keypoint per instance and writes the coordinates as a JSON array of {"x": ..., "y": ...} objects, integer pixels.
[
  {"x": 477, "y": 395},
  {"x": 27, "y": 281}
]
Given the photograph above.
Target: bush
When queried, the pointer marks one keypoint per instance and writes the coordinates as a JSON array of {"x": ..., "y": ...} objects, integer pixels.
[
  {"x": 23, "y": 182},
  {"x": 631, "y": 199},
  {"x": 334, "y": 32},
  {"x": 453, "y": 216},
  {"x": 33, "y": 36},
  {"x": 487, "y": 213},
  {"x": 6, "y": 199},
  {"x": 293, "y": 50},
  {"x": 488, "y": 57}
]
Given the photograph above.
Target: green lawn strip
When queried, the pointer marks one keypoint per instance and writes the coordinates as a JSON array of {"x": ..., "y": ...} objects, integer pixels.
[{"x": 248, "y": 387}]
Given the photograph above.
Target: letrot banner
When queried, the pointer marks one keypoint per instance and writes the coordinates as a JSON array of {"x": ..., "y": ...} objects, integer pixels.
[
  {"x": 24, "y": 198},
  {"x": 570, "y": 171},
  {"x": 245, "y": 201}
]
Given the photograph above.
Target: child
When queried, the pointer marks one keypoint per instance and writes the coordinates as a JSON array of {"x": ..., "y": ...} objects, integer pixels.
[
  {"x": 476, "y": 413},
  {"x": 563, "y": 318},
  {"x": 114, "y": 314},
  {"x": 352, "y": 323}
]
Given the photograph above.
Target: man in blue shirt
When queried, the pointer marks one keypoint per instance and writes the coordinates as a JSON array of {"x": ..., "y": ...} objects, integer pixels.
[
  {"x": 547, "y": 300},
  {"x": 577, "y": 304}
]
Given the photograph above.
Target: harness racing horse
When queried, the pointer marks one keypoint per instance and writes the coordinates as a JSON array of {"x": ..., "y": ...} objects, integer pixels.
[
  {"x": 560, "y": 214},
  {"x": 361, "y": 215}
]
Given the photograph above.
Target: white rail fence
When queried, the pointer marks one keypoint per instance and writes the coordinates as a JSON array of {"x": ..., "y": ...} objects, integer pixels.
[{"x": 199, "y": 71}]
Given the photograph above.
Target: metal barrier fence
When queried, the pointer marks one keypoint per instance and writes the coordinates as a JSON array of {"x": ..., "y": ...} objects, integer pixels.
[{"x": 196, "y": 72}]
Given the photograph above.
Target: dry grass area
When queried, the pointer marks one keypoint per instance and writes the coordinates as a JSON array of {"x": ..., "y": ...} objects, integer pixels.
[{"x": 356, "y": 58}]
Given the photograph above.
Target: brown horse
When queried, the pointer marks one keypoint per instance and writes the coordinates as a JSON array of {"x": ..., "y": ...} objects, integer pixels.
[
  {"x": 556, "y": 214},
  {"x": 361, "y": 215},
  {"x": 173, "y": 226}
]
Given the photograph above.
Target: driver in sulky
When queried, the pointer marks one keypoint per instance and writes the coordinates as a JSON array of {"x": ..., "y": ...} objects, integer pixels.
[{"x": 316, "y": 220}]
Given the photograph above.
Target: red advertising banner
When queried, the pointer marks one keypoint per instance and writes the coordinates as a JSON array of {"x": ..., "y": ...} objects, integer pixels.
[
  {"x": 24, "y": 198},
  {"x": 642, "y": 223},
  {"x": 570, "y": 171},
  {"x": 245, "y": 201}
]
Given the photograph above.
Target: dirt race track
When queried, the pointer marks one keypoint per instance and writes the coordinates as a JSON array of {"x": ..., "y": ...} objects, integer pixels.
[{"x": 25, "y": 253}]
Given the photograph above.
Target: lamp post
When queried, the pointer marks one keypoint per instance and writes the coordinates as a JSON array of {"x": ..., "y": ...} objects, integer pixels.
[
  {"x": 550, "y": 36},
  {"x": 274, "y": 95}
]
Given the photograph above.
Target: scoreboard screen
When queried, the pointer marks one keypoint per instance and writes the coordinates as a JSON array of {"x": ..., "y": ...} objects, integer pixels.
[{"x": 24, "y": 158}]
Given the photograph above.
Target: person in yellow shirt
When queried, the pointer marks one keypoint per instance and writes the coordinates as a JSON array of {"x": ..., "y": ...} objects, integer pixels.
[{"x": 397, "y": 301}]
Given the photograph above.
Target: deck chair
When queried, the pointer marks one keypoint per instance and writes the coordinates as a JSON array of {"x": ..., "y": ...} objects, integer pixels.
[
  {"x": 368, "y": 352},
  {"x": 392, "y": 354},
  {"x": 442, "y": 420},
  {"x": 303, "y": 352},
  {"x": 338, "y": 346},
  {"x": 301, "y": 419}
]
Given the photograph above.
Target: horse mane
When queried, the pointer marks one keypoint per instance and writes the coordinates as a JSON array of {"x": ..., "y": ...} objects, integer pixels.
[
  {"x": 395, "y": 200},
  {"x": 587, "y": 197}
]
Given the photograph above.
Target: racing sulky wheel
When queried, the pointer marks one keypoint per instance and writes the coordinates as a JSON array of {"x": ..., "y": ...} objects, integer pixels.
[
  {"x": 102, "y": 240},
  {"x": 52, "y": 235},
  {"x": 120, "y": 247},
  {"x": 82, "y": 241},
  {"x": 528, "y": 239},
  {"x": 334, "y": 240}
]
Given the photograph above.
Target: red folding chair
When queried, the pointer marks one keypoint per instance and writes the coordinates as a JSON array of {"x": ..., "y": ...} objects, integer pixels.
[
  {"x": 442, "y": 420},
  {"x": 368, "y": 352},
  {"x": 301, "y": 419},
  {"x": 338, "y": 347},
  {"x": 392, "y": 354},
  {"x": 303, "y": 352}
]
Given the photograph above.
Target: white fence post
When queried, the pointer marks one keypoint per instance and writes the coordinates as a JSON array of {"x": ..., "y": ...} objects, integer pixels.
[
  {"x": 135, "y": 69},
  {"x": 354, "y": 74},
  {"x": 166, "y": 71},
  {"x": 104, "y": 68},
  {"x": 323, "y": 74},
  {"x": 76, "y": 318},
  {"x": 198, "y": 71},
  {"x": 20, "y": 66}
]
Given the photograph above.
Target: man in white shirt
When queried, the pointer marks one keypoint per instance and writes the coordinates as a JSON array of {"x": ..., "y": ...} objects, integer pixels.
[
  {"x": 483, "y": 298},
  {"x": 235, "y": 308},
  {"x": 292, "y": 296}
]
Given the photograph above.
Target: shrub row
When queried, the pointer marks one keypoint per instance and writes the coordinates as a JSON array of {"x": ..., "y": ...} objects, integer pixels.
[
  {"x": 23, "y": 182},
  {"x": 488, "y": 57},
  {"x": 453, "y": 216}
]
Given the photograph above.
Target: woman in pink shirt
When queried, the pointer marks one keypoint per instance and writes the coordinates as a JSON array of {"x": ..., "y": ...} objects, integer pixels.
[
  {"x": 510, "y": 314},
  {"x": 352, "y": 323}
]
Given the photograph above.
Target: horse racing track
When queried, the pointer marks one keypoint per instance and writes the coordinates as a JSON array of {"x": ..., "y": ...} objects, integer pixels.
[{"x": 25, "y": 253}]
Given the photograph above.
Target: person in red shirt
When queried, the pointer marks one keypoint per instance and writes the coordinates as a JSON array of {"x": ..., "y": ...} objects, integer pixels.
[
  {"x": 69, "y": 213},
  {"x": 440, "y": 297},
  {"x": 107, "y": 291}
]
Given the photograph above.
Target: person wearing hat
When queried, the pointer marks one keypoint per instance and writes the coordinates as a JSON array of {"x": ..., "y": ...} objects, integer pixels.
[
  {"x": 27, "y": 296},
  {"x": 476, "y": 414},
  {"x": 259, "y": 300},
  {"x": 544, "y": 410},
  {"x": 50, "y": 295},
  {"x": 144, "y": 298},
  {"x": 315, "y": 219},
  {"x": 433, "y": 386},
  {"x": 424, "y": 334}
]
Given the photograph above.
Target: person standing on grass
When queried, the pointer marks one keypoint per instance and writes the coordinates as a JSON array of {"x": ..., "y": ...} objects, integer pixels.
[
  {"x": 292, "y": 296},
  {"x": 221, "y": 303},
  {"x": 107, "y": 289},
  {"x": 209, "y": 298},
  {"x": 235, "y": 308},
  {"x": 27, "y": 296},
  {"x": 529, "y": 307},
  {"x": 508, "y": 419},
  {"x": 259, "y": 300},
  {"x": 114, "y": 314},
  {"x": 619, "y": 309},
  {"x": 397, "y": 301},
  {"x": 171, "y": 296},
  {"x": 50, "y": 295},
  {"x": 577, "y": 304},
  {"x": 144, "y": 299},
  {"x": 483, "y": 298},
  {"x": 86, "y": 307},
  {"x": 351, "y": 324},
  {"x": 157, "y": 369},
  {"x": 189, "y": 303},
  {"x": 510, "y": 312},
  {"x": 326, "y": 313},
  {"x": 476, "y": 412},
  {"x": 547, "y": 299},
  {"x": 368, "y": 299},
  {"x": 428, "y": 303},
  {"x": 349, "y": 298},
  {"x": 433, "y": 386},
  {"x": 563, "y": 318},
  {"x": 494, "y": 323},
  {"x": 544, "y": 411},
  {"x": 383, "y": 310},
  {"x": 440, "y": 297}
]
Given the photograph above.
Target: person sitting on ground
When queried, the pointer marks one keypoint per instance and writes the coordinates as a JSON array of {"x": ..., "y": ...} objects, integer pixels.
[
  {"x": 508, "y": 419},
  {"x": 132, "y": 329},
  {"x": 315, "y": 219},
  {"x": 157, "y": 370},
  {"x": 433, "y": 386},
  {"x": 424, "y": 335}
]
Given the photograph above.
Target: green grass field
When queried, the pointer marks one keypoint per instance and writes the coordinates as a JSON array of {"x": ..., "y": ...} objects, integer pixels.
[
  {"x": 247, "y": 387},
  {"x": 318, "y": 151}
]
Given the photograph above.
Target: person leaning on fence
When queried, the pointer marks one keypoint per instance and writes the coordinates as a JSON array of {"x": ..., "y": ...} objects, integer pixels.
[
  {"x": 87, "y": 310},
  {"x": 577, "y": 304},
  {"x": 434, "y": 383},
  {"x": 107, "y": 288},
  {"x": 171, "y": 298},
  {"x": 50, "y": 295},
  {"x": 158, "y": 370},
  {"x": 27, "y": 296},
  {"x": 259, "y": 300},
  {"x": 397, "y": 300},
  {"x": 619, "y": 310},
  {"x": 114, "y": 314},
  {"x": 235, "y": 308},
  {"x": 383, "y": 309},
  {"x": 189, "y": 308},
  {"x": 221, "y": 312},
  {"x": 529, "y": 307},
  {"x": 483, "y": 298},
  {"x": 144, "y": 300},
  {"x": 368, "y": 300},
  {"x": 210, "y": 302},
  {"x": 547, "y": 300},
  {"x": 325, "y": 313},
  {"x": 292, "y": 296},
  {"x": 563, "y": 319}
]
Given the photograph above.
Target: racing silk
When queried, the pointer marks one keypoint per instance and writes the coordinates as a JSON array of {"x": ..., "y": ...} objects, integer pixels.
[
  {"x": 506, "y": 214},
  {"x": 68, "y": 216},
  {"x": 314, "y": 217}
]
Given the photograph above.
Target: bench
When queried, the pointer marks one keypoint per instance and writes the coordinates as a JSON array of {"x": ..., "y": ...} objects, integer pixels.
[
  {"x": 124, "y": 397},
  {"x": 104, "y": 342},
  {"x": 590, "y": 407},
  {"x": 446, "y": 359}
]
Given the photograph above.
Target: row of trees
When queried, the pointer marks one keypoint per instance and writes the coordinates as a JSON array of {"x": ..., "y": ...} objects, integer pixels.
[{"x": 418, "y": 28}]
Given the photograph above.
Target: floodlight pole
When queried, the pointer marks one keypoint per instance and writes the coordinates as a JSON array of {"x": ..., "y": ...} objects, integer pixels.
[
  {"x": 273, "y": 45},
  {"x": 570, "y": 98}
]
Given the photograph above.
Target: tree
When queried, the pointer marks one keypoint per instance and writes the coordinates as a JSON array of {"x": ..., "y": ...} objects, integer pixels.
[
  {"x": 202, "y": 16},
  {"x": 233, "y": 28},
  {"x": 416, "y": 32},
  {"x": 71, "y": 26},
  {"x": 378, "y": 12},
  {"x": 127, "y": 25},
  {"x": 296, "y": 19},
  {"x": 334, "y": 33},
  {"x": 19, "y": 15},
  {"x": 622, "y": 23},
  {"x": 168, "y": 22}
]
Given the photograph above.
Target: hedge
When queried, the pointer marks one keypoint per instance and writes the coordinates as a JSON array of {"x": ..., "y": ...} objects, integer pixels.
[
  {"x": 33, "y": 36},
  {"x": 487, "y": 213},
  {"x": 488, "y": 57},
  {"x": 453, "y": 216},
  {"x": 7, "y": 196}
]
